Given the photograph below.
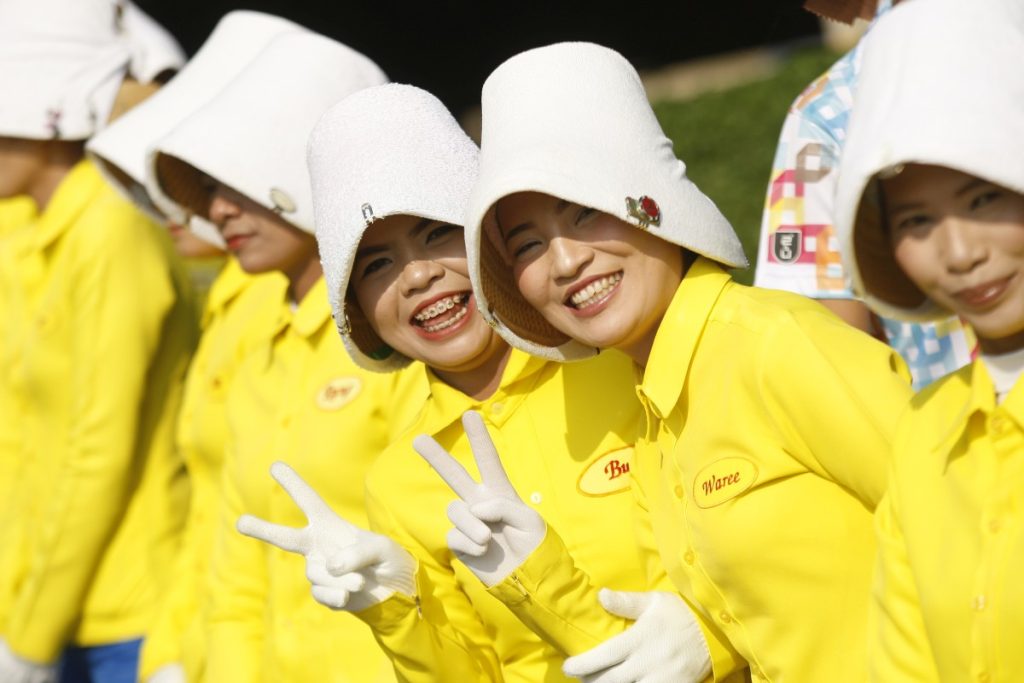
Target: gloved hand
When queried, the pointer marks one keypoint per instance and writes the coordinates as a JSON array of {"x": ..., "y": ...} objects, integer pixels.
[
  {"x": 349, "y": 568},
  {"x": 171, "y": 673},
  {"x": 665, "y": 645},
  {"x": 14, "y": 669},
  {"x": 495, "y": 531}
]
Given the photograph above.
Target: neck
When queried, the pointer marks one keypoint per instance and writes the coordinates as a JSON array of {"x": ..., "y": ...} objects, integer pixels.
[
  {"x": 61, "y": 158},
  {"x": 481, "y": 382},
  {"x": 302, "y": 277}
]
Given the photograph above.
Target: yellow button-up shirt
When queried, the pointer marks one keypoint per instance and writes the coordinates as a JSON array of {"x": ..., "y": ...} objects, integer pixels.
[
  {"x": 769, "y": 423},
  {"x": 565, "y": 433},
  {"x": 240, "y": 311},
  {"x": 949, "y": 594},
  {"x": 298, "y": 398},
  {"x": 102, "y": 324}
]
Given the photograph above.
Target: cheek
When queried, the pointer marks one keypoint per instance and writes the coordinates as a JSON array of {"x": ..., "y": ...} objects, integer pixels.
[
  {"x": 915, "y": 259},
  {"x": 532, "y": 281}
]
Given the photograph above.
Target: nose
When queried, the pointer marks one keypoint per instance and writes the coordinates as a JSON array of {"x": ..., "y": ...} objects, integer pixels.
[
  {"x": 962, "y": 247},
  {"x": 569, "y": 256},
  {"x": 222, "y": 209},
  {"x": 417, "y": 275}
]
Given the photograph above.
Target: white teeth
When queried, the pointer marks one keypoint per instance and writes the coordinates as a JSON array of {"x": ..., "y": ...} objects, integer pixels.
[
  {"x": 595, "y": 290},
  {"x": 438, "y": 307},
  {"x": 447, "y": 323}
]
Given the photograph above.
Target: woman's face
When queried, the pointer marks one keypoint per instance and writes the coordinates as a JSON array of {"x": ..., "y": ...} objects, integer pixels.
[
  {"x": 960, "y": 239},
  {"x": 411, "y": 281},
  {"x": 594, "y": 277},
  {"x": 260, "y": 239}
]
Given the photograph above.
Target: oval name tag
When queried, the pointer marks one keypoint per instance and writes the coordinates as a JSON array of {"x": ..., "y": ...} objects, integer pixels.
[
  {"x": 722, "y": 480},
  {"x": 607, "y": 474},
  {"x": 338, "y": 393}
]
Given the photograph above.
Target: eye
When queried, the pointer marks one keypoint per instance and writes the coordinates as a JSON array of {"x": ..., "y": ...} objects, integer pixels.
[
  {"x": 374, "y": 265},
  {"x": 524, "y": 249},
  {"x": 911, "y": 222},
  {"x": 584, "y": 213},
  {"x": 985, "y": 198},
  {"x": 441, "y": 231}
]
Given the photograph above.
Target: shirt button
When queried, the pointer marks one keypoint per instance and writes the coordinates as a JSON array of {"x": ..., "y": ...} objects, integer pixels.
[
  {"x": 689, "y": 557},
  {"x": 536, "y": 498},
  {"x": 725, "y": 617},
  {"x": 978, "y": 603},
  {"x": 497, "y": 407},
  {"x": 995, "y": 524},
  {"x": 679, "y": 490},
  {"x": 999, "y": 424},
  {"x": 286, "y": 421},
  {"x": 983, "y": 677}
]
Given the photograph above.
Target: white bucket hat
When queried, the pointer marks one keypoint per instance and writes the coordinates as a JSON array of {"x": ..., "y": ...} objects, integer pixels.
[
  {"x": 120, "y": 151},
  {"x": 385, "y": 151},
  {"x": 61, "y": 65},
  {"x": 572, "y": 120},
  {"x": 941, "y": 83},
  {"x": 154, "y": 50},
  {"x": 252, "y": 136}
]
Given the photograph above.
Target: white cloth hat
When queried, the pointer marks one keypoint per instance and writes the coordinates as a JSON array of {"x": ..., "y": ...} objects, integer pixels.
[
  {"x": 120, "y": 151},
  {"x": 252, "y": 136},
  {"x": 941, "y": 83},
  {"x": 572, "y": 120},
  {"x": 154, "y": 49},
  {"x": 61, "y": 64},
  {"x": 384, "y": 151}
]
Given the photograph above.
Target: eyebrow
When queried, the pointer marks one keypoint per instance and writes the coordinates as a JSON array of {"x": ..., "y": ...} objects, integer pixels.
[
  {"x": 416, "y": 230},
  {"x": 560, "y": 206},
  {"x": 971, "y": 184}
]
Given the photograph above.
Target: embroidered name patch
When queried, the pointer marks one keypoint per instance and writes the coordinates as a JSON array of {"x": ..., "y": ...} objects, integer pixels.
[
  {"x": 608, "y": 474},
  {"x": 338, "y": 393},
  {"x": 722, "y": 480}
]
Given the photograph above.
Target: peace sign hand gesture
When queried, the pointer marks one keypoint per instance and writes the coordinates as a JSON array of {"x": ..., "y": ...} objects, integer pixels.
[
  {"x": 349, "y": 568},
  {"x": 495, "y": 531}
]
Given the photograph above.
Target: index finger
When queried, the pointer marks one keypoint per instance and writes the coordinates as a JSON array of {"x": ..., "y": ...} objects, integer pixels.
[
  {"x": 284, "y": 537},
  {"x": 449, "y": 469},
  {"x": 308, "y": 500},
  {"x": 488, "y": 462}
]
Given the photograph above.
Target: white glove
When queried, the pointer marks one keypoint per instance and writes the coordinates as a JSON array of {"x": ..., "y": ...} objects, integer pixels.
[
  {"x": 172, "y": 673},
  {"x": 665, "y": 645},
  {"x": 495, "y": 531},
  {"x": 349, "y": 568},
  {"x": 14, "y": 669}
]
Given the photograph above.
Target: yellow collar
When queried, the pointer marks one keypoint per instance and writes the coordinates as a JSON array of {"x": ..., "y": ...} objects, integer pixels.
[
  {"x": 679, "y": 332},
  {"x": 73, "y": 195}
]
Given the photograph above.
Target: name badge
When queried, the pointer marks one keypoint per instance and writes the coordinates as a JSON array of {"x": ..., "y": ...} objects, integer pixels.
[
  {"x": 338, "y": 393},
  {"x": 723, "y": 480},
  {"x": 607, "y": 474}
]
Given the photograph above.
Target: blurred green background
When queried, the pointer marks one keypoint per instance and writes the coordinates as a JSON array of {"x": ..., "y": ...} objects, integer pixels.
[{"x": 728, "y": 138}]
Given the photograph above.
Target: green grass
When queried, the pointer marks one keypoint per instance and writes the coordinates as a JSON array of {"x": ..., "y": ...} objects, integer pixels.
[{"x": 728, "y": 138}]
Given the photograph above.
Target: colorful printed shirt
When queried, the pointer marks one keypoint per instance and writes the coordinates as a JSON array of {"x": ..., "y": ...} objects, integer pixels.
[{"x": 798, "y": 249}]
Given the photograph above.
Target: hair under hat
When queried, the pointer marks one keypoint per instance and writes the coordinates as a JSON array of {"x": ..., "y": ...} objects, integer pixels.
[
  {"x": 941, "y": 83},
  {"x": 252, "y": 135},
  {"x": 384, "y": 151},
  {"x": 121, "y": 150},
  {"x": 572, "y": 120}
]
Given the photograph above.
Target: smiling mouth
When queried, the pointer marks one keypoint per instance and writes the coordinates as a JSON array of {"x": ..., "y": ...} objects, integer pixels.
[
  {"x": 985, "y": 294},
  {"x": 443, "y": 313},
  {"x": 595, "y": 292}
]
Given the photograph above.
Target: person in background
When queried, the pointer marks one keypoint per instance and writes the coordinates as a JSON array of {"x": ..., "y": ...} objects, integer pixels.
[
  {"x": 798, "y": 250},
  {"x": 931, "y": 224},
  {"x": 239, "y": 310},
  {"x": 295, "y": 395},
  {"x": 99, "y": 325}
]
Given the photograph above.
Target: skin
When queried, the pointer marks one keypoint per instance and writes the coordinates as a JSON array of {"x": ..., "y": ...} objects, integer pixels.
[
  {"x": 36, "y": 167},
  {"x": 263, "y": 241},
  {"x": 960, "y": 239},
  {"x": 557, "y": 248},
  {"x": 405, "y": 265}
]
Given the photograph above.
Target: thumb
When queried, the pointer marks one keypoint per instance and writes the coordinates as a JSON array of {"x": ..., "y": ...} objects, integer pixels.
[{"x": 624, "y": 604}]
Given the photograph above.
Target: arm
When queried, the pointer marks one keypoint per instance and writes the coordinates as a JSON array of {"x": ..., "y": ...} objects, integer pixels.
[{"x": 120, "y": 296}]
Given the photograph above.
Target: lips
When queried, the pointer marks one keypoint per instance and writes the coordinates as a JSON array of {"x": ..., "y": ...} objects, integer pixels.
[
  {"x": 441, "y": 313},
  {"x": 591, "y": 293},
  {"x": 983, "y": 295},
  {"x": 236, "y": 242}
]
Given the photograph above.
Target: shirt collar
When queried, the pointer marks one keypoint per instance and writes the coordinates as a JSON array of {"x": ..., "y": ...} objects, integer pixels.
[
  {"x": 447, "y": 404},
  {"x": 311, "y": 315},
  {"x": 229, "y": 284},
  {"x": 680, "y": 329},
  {"x": 73, "y": 195}
]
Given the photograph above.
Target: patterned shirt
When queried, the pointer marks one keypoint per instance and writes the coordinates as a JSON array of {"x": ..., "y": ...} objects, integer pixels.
[{"x": 798, "y": 249}]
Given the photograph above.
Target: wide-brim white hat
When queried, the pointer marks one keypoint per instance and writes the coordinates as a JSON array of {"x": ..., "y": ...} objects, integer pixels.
[
  {"x": 941, "y": 83},
  {"x": 154, "y": 50},
  {"x": 61, "y": 65},
  {"x": 252, "y": 136},
  {"x": 384, "y": 151},
  {"x": 572, "y": 120},
  {"x": 121, "y": 150}
]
